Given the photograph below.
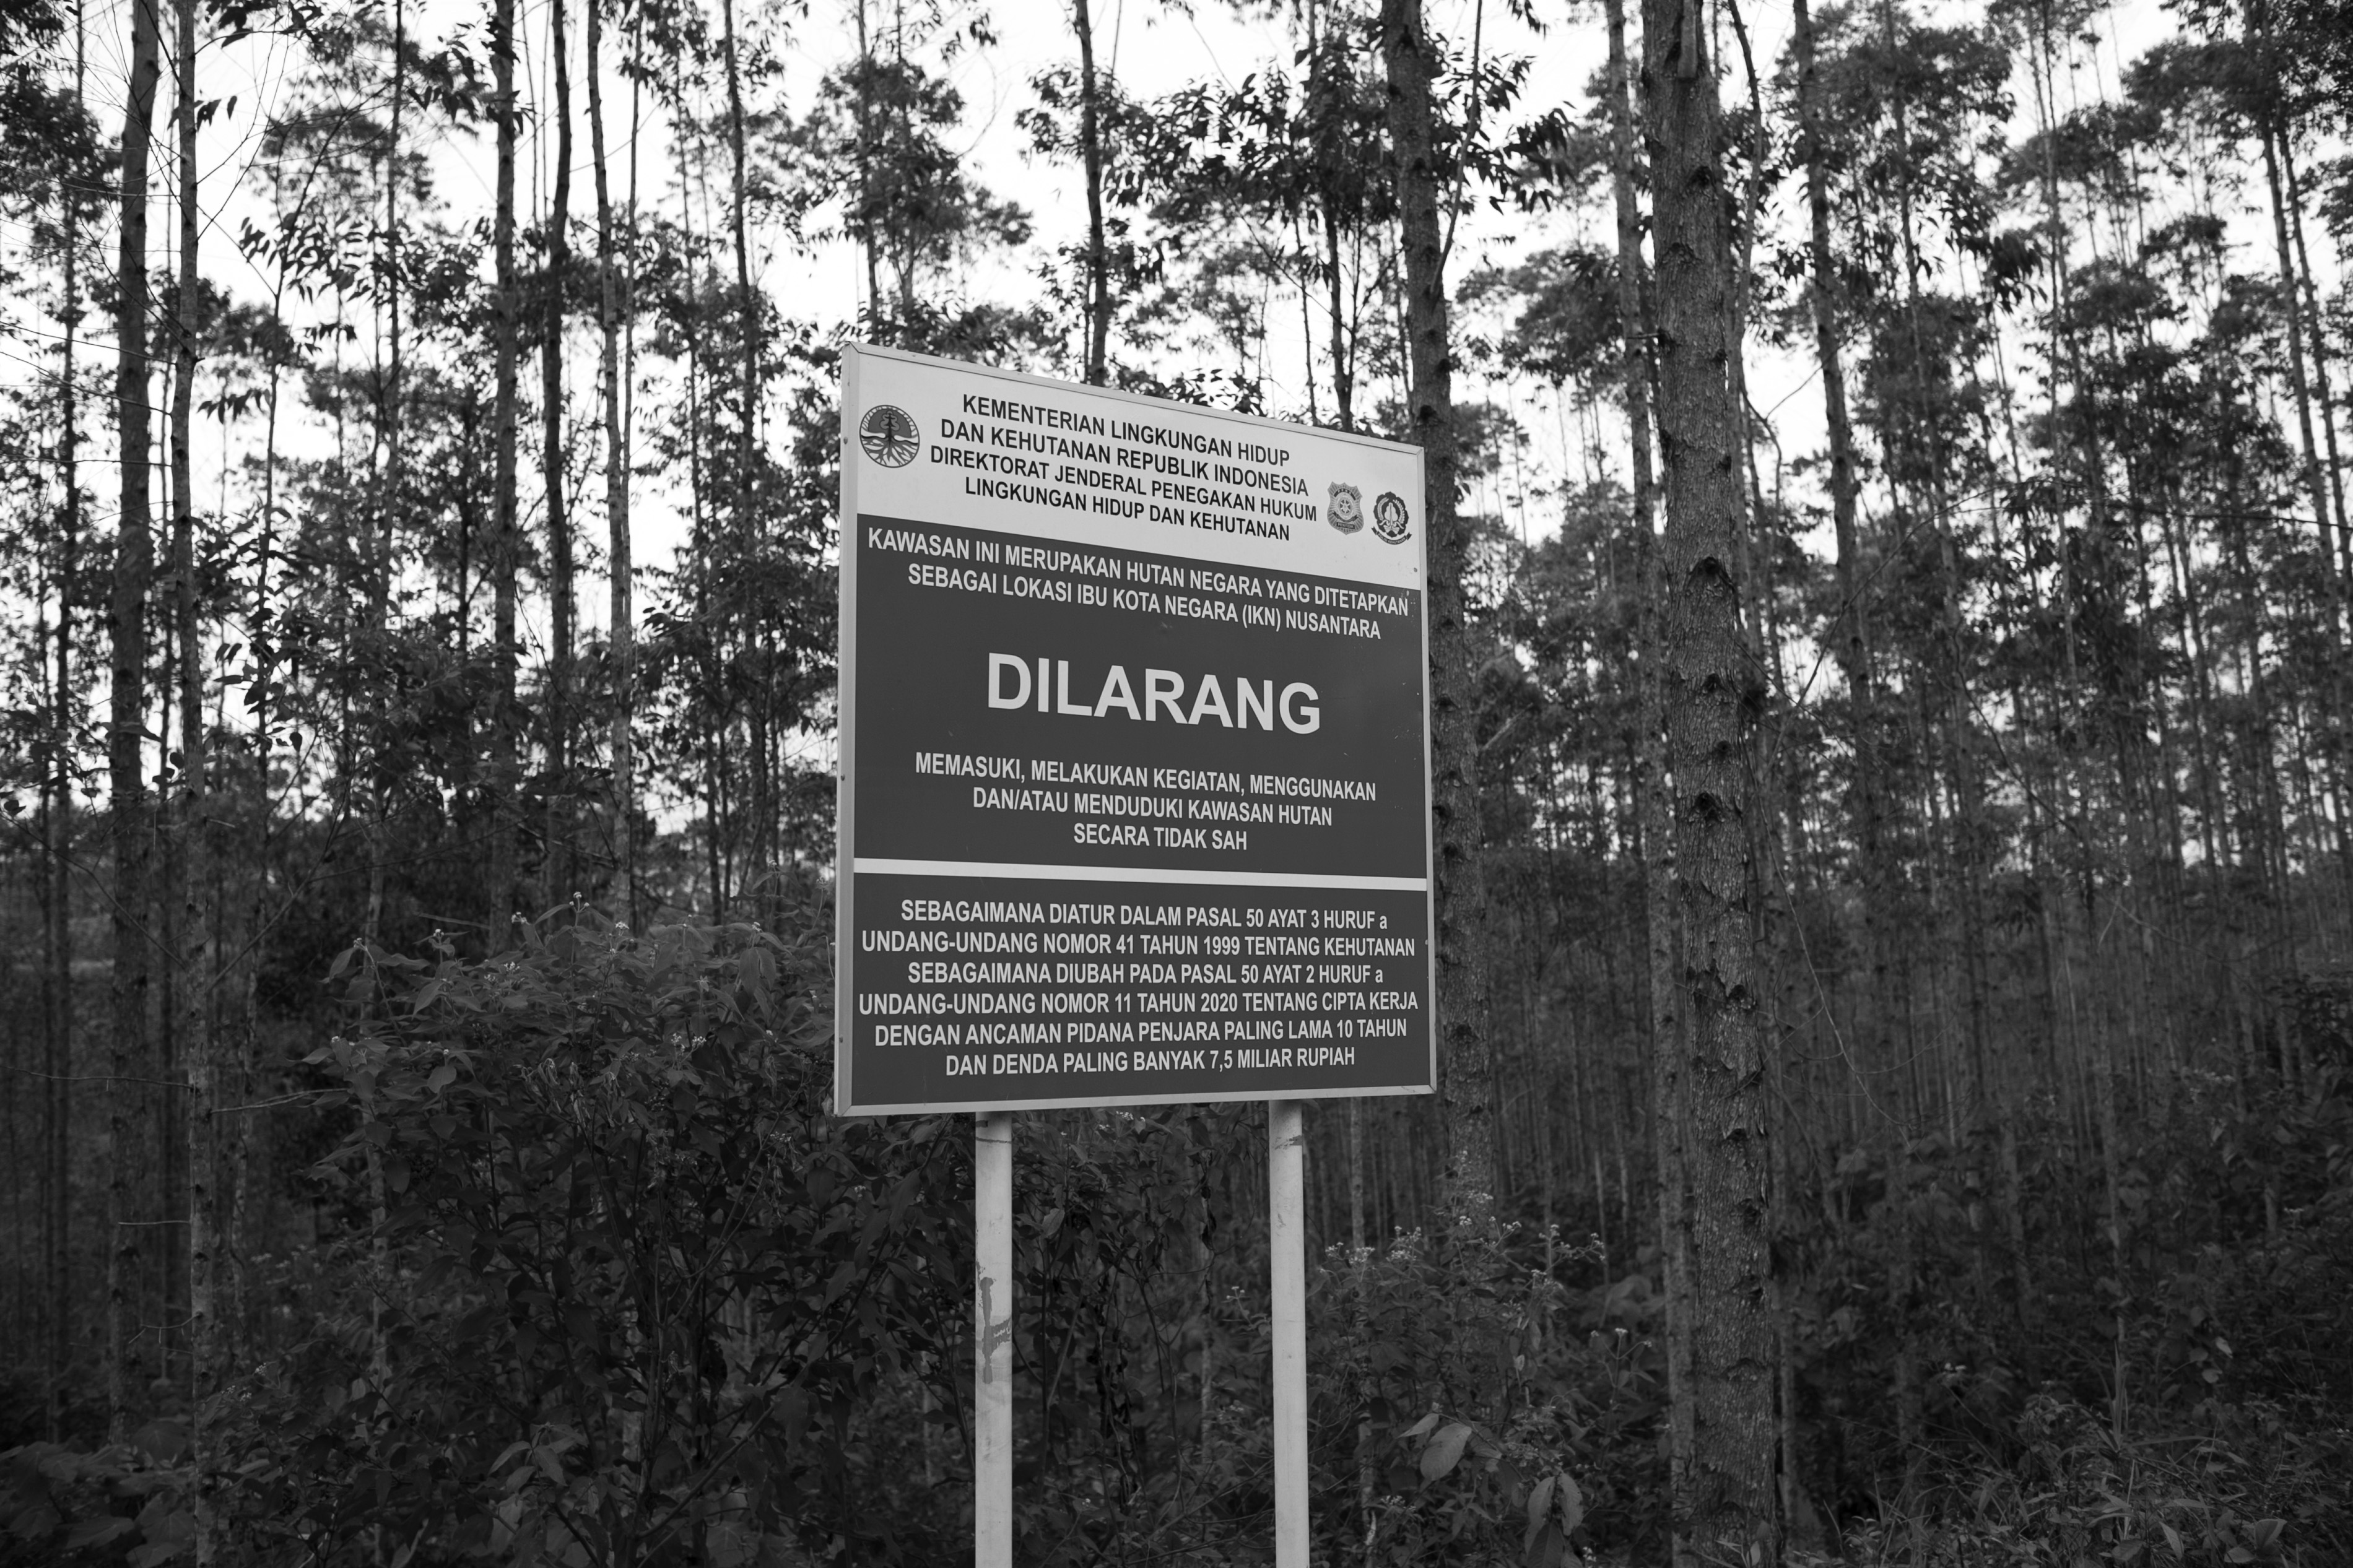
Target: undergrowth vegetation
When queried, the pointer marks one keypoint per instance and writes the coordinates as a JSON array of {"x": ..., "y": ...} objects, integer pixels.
[{"x": 618, "y": 1288}]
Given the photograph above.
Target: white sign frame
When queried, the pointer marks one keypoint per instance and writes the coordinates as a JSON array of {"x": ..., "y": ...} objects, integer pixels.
[{"x": 1352, "y": 556}]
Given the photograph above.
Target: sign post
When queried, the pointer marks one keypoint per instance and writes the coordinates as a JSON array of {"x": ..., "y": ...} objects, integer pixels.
[
  {"x": 1134, "y": 790},
  {"x": 1286, "y": 1184},
  {"x": 992, "y": 1338}
]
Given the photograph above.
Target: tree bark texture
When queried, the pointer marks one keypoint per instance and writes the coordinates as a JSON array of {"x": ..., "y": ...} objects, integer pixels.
[
  {"x": 1852, "y": 646},
  {"x": 194, "y": 960},
  {"x": 1090, "y": 153},
  {"x": 610, "y": 309},
  {"x": 749, "y": 324},
  {"x": 561, "y": 603},
  {"x": 1728, "y": 1498},
  {"x": 382, "y": 569},
  {"x": 498, "y": 864},
  {"x": 1466, "y": 1068},
  {"x": 134, "y": 566},
  {"x": 58, "y": 1060},
  {"x": 1661, "y": 941}
]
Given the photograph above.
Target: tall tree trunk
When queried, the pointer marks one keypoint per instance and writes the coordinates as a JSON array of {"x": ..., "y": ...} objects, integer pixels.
[
  {"x": 870, "y": 230},
  {"x": 1729, "y": 1493},
  {"x": 167, "y": 1201},
  {"x": 2291, "y": 301},
  {"x": 2274, "y": 130},
  {"x": 506, "y": 544},
  {"x": 1930, "y": 456},
  {"x": 747, "y": 431},
  {"x": 58, "y": 1060},
  {"x": 1466, "y": 1069},
  {"x": 1852, "y": 646},
  {"x": 610, "y": 309},
  {"x": 388, "y": 496},
  {"x": 194, "y": 960},
  {"x": 906, "y": 242},
  {"x": 1091, "y": 155},
  {"x": 1650, "y": 782},
  {"x": 1928, "y": 382},
  {"x": 1775, "y": 919},
  {"x": 393, "y": 467},
  {"x": 1324, "y": 53},
  {"x": 2337, "y": 562},
  {"x": 1344, "y": 378},
  {"x": 701, "y": 520},
  {"x": 2309, "y": 307},
  {"x": 1330, "y": 77},
  {"x": 557, "y": 876},
  {"x": 134, "y": 565},
  {"x": 58, "y": 1057}
]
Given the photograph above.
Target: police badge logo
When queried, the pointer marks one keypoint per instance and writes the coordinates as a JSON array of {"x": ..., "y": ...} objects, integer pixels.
[
  {"x": 1346, "y": 511},
  {"x": 889, "y": 436},
  {"x": 1392, "y": 522}
]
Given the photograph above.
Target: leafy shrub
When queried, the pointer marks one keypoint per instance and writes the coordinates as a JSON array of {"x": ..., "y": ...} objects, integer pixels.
[
  {"x": 639, "y": 1298},
  {"x": 126, "y": 1503},
  {"x": 1494, "y": 1419}
]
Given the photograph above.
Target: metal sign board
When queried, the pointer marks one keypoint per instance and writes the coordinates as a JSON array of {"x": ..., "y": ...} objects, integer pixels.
[{"x": 1134, "y": 799}]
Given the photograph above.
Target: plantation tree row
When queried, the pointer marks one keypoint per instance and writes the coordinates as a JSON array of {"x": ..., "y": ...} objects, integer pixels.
[{"x": 1891, "y": 594}]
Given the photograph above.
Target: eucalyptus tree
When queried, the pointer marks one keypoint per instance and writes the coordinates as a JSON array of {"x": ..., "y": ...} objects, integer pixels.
[
  {"x": 1084, "y": 117},
  {"x": 55, "y": 168},
  {"x": 501, "y": 776},
  {"x": 1724, "y": 1450},
  {"x": 2235, "y": 88},
  {"x": 615, "y": 247},
  {"x": 128, "y": 802},
  {"x": 876, "y": 154},
  {"x": 559, "y": 871},
  {"x": 1411, "y": 60}
]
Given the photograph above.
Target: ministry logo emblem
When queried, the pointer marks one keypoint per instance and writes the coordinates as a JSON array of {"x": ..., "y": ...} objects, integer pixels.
[
  {"x": 1392, "y": 522},
  {"x": 888, "y": 435},
  {"x": 1346, "y": 511}
]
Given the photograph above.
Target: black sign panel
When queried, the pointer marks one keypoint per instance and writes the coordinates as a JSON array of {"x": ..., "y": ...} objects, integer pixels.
[{"x": 1133, "y": 735}]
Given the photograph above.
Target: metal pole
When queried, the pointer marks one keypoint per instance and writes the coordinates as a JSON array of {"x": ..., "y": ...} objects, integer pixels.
[
  {"x": 992, "y": 1393},
  {"x": 1286, "y": 1239}
]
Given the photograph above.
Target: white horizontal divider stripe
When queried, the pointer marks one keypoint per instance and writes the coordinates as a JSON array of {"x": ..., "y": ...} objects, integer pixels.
[{"x": 871, "y": 865}]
